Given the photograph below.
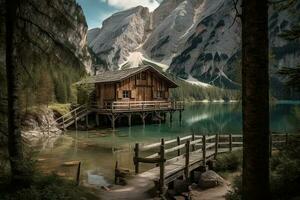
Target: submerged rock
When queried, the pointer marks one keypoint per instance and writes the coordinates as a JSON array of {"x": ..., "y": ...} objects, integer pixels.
[{"x": 210, "y": 179}]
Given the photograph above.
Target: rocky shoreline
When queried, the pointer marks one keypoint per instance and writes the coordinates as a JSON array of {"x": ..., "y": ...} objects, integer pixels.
[{"x": 39, "y": 125}]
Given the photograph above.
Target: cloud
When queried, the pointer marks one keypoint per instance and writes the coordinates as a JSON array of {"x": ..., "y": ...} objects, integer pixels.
[{"x": 125, "y": 4}]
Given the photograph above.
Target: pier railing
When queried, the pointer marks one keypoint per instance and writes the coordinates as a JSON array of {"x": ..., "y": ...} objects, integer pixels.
[
  {"x": 127, "y": 106},
  {"x": 192, "y": 150}
]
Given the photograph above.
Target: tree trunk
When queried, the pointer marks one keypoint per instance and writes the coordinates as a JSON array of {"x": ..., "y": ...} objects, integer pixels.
[
  {"x": 15, "y": 146},
  {"x": 255, "y": 96}
]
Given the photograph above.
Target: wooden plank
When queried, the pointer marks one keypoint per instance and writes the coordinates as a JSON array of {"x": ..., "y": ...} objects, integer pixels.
[{"x": 174, "y": 148}]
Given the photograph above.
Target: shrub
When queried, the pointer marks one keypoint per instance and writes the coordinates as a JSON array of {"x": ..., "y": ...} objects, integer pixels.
[
  {"x": 49, "y": 187},
  {"x": 229, "y": 161},
  {"x": 285, "y": 174}
]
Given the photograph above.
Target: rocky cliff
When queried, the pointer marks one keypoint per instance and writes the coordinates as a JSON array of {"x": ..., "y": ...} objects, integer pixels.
[{"x": 195, "y": 39}]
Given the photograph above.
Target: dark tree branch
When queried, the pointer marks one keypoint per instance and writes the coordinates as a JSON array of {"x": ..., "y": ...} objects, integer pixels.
[{"x": 237, "y": 13}]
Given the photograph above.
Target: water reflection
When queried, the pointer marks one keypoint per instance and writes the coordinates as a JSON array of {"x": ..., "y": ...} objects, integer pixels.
[{"x": 98, "y": 150}]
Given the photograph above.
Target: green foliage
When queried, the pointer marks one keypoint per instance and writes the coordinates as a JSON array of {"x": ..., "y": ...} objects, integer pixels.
[
  {"x": 49, "y": 187},
  {"x": 229, "y": 161},
  {"x": 292, "y": 75},
  {"x": 62, "y": 109},
  {"x": 285, "y": 174},
  {"x": 84, "y": 92},
  {"x": 236, "y": 192},
  {"x": 189, "y": 92}
]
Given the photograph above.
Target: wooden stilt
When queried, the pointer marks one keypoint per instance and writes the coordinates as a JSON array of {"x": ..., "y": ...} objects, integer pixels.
[
  {"x": 87, "y": 121},
  {"x": 180, "y": 116},
  {"x": 136, "y": 156},
  {"x": 75, "y": 120},
  {"x": 171, "y": 117},
  {"x": 97, "y": 120},
  {"x": 129, "y": 119}
]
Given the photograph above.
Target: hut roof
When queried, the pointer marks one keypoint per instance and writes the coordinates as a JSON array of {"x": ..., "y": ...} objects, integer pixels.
[{"x": 119, "y": 75}]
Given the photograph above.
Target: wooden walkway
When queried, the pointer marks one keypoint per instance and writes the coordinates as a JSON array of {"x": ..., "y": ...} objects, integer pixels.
[
  {"x": 179, "y": 157},
  {"x": 118, "y": 109}
]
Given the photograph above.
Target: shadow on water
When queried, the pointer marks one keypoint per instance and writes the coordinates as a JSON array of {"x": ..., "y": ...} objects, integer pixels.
[{"x": 98, "y": 150}]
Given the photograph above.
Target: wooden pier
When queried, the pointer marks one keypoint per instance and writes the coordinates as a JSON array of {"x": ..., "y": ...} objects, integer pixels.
[
  {"x": 179, "y": 157},
  {"x": 115, "y": 110}
]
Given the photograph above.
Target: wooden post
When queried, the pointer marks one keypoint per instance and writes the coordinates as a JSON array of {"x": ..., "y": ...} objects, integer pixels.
[
  {"x": 204, "y": 151},
  {"x": 162, "y": 169},
  {"x": 271, "y": 145},
  {"x": 75, "y": 119},
  {"x": 78, "y": 174},
  {"x": 135, "y": 159},
  {"x": 143, "y": 118},
  {"x": 64, "y": 127},
  {"x": 162, "y": 142},
  {"x": 87, "y": 121},
  {"x": 230, "y": 142},
  {"x": 97, "y": 120},
  {"x": 180, "y": 116},
  {"x": 171, "y": 117},
  {"x": 129, "y": 120},
  {"x": 178, "y": 143},
  {"x": 286, "y": 138},
  {"x": 216, "y": 145},
  {"x": 113, "y": 121},
  {"x": 187, "y": 159},
  {"x": 193, "y": 138}
]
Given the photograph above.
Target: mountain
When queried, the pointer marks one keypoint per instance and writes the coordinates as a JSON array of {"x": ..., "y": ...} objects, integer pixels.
[
  {"x": 52, "y": 45},
  {"x": 193, "y": 39}
]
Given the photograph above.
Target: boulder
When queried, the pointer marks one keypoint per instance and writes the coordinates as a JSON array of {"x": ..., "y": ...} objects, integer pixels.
[{"x": 210, "y": 179}]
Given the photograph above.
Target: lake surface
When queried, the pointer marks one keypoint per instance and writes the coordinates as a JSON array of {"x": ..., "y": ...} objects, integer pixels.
[{"x": 98, "y": 150}]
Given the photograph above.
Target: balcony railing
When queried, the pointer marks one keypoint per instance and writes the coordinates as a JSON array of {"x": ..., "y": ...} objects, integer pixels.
[{"x": 127, "y": 106}]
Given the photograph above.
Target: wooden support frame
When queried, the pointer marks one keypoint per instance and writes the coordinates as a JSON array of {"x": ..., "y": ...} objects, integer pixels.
[
  {"x": 187, "y": 159},
  {"x": 204, "y": 151},
  {"x": 162, "y": 169},
  {"x": 216, "y": 145}
]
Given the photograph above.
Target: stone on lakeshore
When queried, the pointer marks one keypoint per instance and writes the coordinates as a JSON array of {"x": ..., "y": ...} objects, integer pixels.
[{"x": 210, "y": 179}]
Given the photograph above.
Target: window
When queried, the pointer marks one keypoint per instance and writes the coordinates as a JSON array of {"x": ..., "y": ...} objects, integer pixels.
[
  {"x": 159, "y": 94},
  {"x": 126, "y": 94},
  {"x": 144, "y": 76}
]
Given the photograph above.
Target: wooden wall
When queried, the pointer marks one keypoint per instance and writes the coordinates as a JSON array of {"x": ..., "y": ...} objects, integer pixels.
[{"x": 145, "y": 86}]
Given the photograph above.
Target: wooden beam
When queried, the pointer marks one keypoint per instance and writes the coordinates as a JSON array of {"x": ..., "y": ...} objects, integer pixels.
[
  {"x": 162, "y": 169},
  {"x": 178, "y": 143},
  {"x": 204, "y": 151},
  {"x": 187, "y": 159},
  {"x": 216, "y": 145},
  {"x": 135, "y": 159}
]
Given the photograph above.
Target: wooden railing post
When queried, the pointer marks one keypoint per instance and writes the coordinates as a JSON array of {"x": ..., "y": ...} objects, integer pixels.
[
  {"x": 271, "y": 145},
  {"x": 230, "y": 142},
  {"x": 187, "y": 159},
  {"x": 64, "y": 123},
  {"x": 204, "y": 151},
  {"x": 75, "y": 119},
  {"x": 216, "y": 145},
  {"x": 193, "y": 139},
  {"x": 78, "y": 174},
  {"x": 178, "y": 143},
  {"x": 136, "y": 156},
  {"x": 162, "y": 169}
]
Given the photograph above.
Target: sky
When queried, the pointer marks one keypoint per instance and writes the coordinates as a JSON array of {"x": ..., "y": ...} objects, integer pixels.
[{"x": 96, "y": 11}]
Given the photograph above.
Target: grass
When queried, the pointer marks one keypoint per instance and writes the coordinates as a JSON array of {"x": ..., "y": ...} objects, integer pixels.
[
  {"x": 62, "y": 109},
  {"x": 284, "y": 176},
  {"x": 49, "y": 187},
  {"x": 229, "y": 162}
]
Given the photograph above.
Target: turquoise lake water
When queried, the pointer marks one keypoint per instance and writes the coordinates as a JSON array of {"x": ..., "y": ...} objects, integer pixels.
[{"x": 98, "y": 150}]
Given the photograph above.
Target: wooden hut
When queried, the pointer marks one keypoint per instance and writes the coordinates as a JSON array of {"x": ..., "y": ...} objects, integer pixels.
[{"x": 141, "y": 90}]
